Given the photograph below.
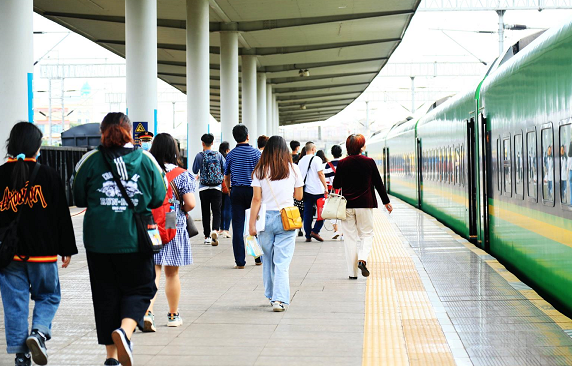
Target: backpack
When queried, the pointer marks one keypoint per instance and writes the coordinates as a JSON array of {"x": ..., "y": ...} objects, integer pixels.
[
  {"x": 211, "y": 171},
  {"x": 166, "y": 215}
]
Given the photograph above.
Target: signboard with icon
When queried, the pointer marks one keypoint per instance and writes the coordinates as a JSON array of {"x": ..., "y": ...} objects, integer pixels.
[{"x": 138, "y": 129}]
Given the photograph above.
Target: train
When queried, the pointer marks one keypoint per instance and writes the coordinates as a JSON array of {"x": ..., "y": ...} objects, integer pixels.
[{"x": 494, "y": 163}]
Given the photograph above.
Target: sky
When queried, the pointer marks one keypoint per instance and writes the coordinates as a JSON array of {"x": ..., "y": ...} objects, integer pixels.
[{"x": 431, "y": 37}]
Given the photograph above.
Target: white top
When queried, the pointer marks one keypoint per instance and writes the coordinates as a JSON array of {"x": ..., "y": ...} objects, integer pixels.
[
  {"x": 564, "y": 168},
  {"x": 313, "y": 183},
  {"x": 283, "y": 189}
]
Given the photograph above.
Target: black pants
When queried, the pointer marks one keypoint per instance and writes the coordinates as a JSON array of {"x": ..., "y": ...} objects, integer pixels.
[
  {"x": 211, "y": 200},
  {"x": 240, "y": 198},
  {"x": 122, "y": 286}
]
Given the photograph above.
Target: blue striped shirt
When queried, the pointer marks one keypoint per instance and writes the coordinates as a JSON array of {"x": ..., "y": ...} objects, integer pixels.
[{"x": 240, "y": 163}]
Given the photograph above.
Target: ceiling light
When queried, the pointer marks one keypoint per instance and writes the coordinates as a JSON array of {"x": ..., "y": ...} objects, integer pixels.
[
  {"x": 302, "y": 106},
  {"x": 304, "y": 73}
]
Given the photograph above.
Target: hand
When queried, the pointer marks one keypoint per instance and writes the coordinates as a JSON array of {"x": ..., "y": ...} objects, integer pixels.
[
  {"x": 252, "y": 229},
  {"x": 389, "y": 208},
  {"x": 326, "y": 193},
  {"x": 65, "y": 261}
]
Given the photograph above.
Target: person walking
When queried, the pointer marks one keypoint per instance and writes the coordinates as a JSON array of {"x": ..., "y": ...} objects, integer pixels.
[
  {"x": 261, "y": 142},
  {"x": 122, "y": 278},
  {"x": 295, "y": 147},
  {"x": 357, "y": 176},
  {"x": 177, "y": 252},
  {"x": 34, "y": 199},
  {"x": 276, "y": 181},
  {"x": 226, "y": 211},
  {"x": 329, "y": 174},
  {"x": 312, "y": 170},
  {"x": 210, "y": 164},
  {"x": 240, "y": 163}
]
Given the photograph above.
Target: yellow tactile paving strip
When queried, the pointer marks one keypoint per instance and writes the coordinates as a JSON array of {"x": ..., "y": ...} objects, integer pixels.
[{"x": 401, "y": 327}]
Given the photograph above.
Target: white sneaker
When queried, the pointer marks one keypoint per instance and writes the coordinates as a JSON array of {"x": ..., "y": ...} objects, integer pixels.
[
  {"x": 278, "y": 306},
  {"x": 214, "y": 237},
  {"x": 336, "y": 235},
  {"x": 208, "y": 241},
  {"x": 226, "y": 234}
]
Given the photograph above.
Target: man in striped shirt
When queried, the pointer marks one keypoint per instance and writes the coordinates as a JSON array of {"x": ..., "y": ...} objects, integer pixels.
[{"x": 240, "y": 163}]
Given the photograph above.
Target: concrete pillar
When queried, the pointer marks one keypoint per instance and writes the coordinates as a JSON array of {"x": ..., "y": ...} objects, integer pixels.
[
  {"x": 16, "y": 66},
  {"x": 269, "y": 110},
  {"x": 276, "y": 116},
  {"x": 261, "y": 104},
  {"x": 228, "y": 85},
  {"x": 249, "y": 110},
  {"x": 141, "y": 61},
  {"x": 198, "y": 83}
]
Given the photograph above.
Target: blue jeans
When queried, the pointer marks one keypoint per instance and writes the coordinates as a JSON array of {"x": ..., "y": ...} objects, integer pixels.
[
  {"x": 278, "y": 247},
  {"x": 309, "y": 202},
  {"x": 226, "y": 213},
  {"x": 17, "y": 282}
]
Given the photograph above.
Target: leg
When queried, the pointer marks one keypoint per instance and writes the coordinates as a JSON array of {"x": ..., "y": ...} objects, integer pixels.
[
  {"x": 308, "y": 203},
  {"x": 284, "y": 244},
  {"x": 45, "y": 291},
  {"x": 238, "y": 227},
  {"x": 350, "y": 241},
  {"x": 364, "y": 224},
  {"x": 247, "y": 200},
  {"x": 319, "y": 223},
  {"x": 157, "y": 279},
  {"x": 14, "y": 286},
  {"x": 206, "y": 212},
  {"x": 172, "y": 287},
  {"x": 266, "y": 241},
  {"x": 227, "y": 213},
  {"x": 216, "y": 206}
]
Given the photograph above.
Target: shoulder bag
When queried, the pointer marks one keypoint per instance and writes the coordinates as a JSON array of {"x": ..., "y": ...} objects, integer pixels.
[
  {"x": 148, "y": 237},
  {"x": 191, "y": 227},
  {"x": 290, "y": 215},
  {"x": 9, "y": 234}
]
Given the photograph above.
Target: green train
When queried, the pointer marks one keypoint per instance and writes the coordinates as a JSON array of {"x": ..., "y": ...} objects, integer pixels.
[{"x": 494, "y": 163}]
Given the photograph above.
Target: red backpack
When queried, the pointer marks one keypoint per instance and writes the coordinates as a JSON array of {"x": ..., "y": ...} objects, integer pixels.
[{"x": 165, "y": 217}]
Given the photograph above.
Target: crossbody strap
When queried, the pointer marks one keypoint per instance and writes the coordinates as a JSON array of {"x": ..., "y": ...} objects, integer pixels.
[
  {"x": 332, "y": 166},
  {"x": 118, "y": 182},
  {"x": 272, "y": 191},
  {"x": 308, "y": 171},
  {"x": 30, "y": 184}
]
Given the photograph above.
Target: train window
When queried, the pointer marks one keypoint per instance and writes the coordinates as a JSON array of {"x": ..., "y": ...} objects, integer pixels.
[
  {"x": 518, "y": 165},
  {"x": 506, "y": 172},
  {"x": 457, "y": 165},
  {"x": 462, "y": 165},
  {"x": 498, "y": 166},
  {"x": 532, "y": 175},
  {"x": 547, "y": 140},
  {"x": 566, "y": 164},
  {"x": 450, "y": 166}
]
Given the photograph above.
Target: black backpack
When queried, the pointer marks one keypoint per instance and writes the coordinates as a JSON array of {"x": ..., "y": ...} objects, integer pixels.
[{"x": 9, "y": 234}]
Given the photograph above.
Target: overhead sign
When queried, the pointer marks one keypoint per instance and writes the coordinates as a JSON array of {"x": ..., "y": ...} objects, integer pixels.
[{"x": 138, "y": 129}]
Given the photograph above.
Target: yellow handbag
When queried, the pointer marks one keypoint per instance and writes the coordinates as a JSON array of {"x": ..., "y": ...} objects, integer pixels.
[{"x": 290, "y": 215}]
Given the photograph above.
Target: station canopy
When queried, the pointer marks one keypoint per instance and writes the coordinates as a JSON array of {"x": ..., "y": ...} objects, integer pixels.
[{"x": 343, "y": 44}]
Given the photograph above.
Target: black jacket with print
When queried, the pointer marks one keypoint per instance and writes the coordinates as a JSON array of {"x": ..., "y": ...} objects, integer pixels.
[{"x": 45, "y": 227}]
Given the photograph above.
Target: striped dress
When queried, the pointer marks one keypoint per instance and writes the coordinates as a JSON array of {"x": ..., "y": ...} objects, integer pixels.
[{"x": 178, "y": 252}]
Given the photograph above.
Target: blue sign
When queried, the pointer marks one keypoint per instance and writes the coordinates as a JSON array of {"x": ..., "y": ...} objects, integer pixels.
[{"x": 138, "y": 129}]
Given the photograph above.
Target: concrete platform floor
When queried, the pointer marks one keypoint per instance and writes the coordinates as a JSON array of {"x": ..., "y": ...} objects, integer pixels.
[{"x": 432, "y": 299}]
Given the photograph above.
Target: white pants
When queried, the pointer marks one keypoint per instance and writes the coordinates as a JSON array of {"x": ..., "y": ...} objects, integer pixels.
[{"x": 358, "y": 236}]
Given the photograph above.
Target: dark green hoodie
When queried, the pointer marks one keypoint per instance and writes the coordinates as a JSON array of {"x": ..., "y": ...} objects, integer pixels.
[{"x": 109, "y": 225}]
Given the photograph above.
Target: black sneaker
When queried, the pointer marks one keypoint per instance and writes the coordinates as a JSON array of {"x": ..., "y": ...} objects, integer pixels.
[
  {"x": 364, "y": 271},
  {"x": 36, "y": 343},
  {"x": 23, "y": 359},
  {"x": 111, "y": 362},
  {"x": 124, "y": 347}
]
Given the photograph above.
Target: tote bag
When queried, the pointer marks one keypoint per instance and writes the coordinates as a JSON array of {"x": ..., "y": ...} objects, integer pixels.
[{"x": 335, "y": 207}]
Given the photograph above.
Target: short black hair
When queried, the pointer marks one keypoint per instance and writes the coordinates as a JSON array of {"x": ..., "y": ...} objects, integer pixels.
[
  {"x": 337, "y": 151},
  {"x": 294, "y": 144},
  {"x": 240, "y": 133},
  {"x": 208, "y": 139},
  {"x": 262, "y": 140}
]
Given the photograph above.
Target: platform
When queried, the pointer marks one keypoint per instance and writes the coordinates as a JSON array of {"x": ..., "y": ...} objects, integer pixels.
[{"x": 432, "y": 299}]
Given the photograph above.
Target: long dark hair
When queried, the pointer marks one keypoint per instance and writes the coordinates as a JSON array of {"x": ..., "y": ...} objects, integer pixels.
[
  {"x": 223, "y": 148},
  {"x": 165, "y": 150},
  {"x": 275, "y": 161},
  {"x": 322, "y": 156},
  {"x": 25, "y": 138},
  {"x": 116, "y": 130}
]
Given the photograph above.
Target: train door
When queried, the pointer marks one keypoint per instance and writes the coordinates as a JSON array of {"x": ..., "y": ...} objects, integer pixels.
[
  {"x": 471, "y": 164},
  {"x": 387, "y": 180},
  {"x": 419, "y": 174},
  {"x": 483, "y": 182}
]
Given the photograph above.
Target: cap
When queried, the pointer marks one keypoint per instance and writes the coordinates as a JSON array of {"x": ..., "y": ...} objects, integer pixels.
[{"x": 146, "y": 136}]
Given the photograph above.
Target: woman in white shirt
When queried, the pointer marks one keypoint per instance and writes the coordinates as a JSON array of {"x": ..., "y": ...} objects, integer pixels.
[{"x": 276, "y": 181}]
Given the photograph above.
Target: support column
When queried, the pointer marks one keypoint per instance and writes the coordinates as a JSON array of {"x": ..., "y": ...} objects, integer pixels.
[
  {"x": 228, "y": 85},
  {"x": 16, "y": 66},
  {"x": 261, "y": 105},
  {"x": 141, "y": 61},
  {"x": 276, "y": 115},
  {"x": 249, "y": 111},
  {"x": 198, "y": 87},
  {"x": 269, "y": 110}
]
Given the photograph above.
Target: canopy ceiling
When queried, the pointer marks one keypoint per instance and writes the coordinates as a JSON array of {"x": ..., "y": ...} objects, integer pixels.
[{"x": 343, "y": 43}]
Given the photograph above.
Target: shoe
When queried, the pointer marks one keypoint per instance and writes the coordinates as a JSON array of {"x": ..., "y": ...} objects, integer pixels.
[
  {"x": 258, "y": 263},
  {"x": 238, "y": 267},
  {"x": 226, "y": 234},
  {"x": 308, "y": 240},
  {"x": 353, "y": 278},
  {"x": 316, "y": 236},
  {"x": 208, "y": 241},
  {"x": 36, "y": 343},
  {"x": 149, "y": 322},
  {"x": 23, "y": 359},
  {"x": 111, "y": 362},
  {"x": 124, "y": 347},
  {"x": 300, "y": 233},
  {"x": 336, "y": 236},
  {"x": 214, "y": 237},
  {"x": 278, "y": 306},
  {"x": 174, "y": 320},
  {"x": 364, "y": 271}
]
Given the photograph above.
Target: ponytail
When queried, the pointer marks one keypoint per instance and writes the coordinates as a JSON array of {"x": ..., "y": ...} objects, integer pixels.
[{"x": 25, "y": 139}]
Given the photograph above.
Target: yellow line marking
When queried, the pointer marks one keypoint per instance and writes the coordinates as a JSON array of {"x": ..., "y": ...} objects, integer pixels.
[{"x": 401, "y": 327}]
